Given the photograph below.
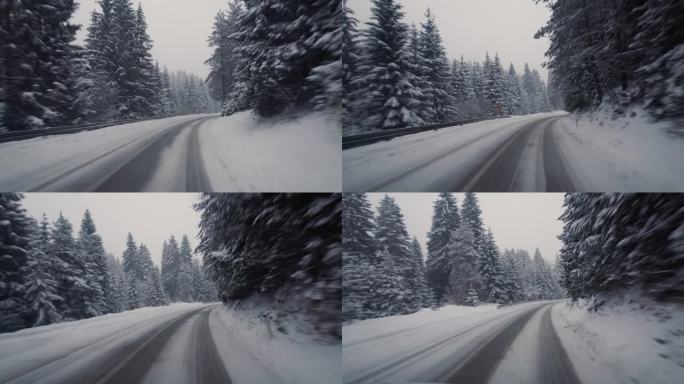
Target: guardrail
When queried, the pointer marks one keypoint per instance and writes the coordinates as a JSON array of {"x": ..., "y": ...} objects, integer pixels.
[
  {"x": 354, "y": 141},
  {"x": 6, "y": 137}
]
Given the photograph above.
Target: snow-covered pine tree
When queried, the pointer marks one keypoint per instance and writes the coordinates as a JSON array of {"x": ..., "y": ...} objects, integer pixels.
[
  {"x": 426, "y": 298},
  {"x": 471, "y": 214},
  {"x": 15, "y": 248},
  {"x": 463, "y": 257},
  {"x": 515, "y": 105},
  {"x": 38, "y": 86},
  {"x": 386, "y": 97},
  {"x": 70, "y": 272},
  {"x": 134, "y": 273},
  {"x": 529, "y": 89},
  {"x": 223, "y": 60},
  {"x": 93, "y": 253},
  {"x": 116, "y": 283},
  {"x": 358, "y": 254},
  {"x": 276, "y": 245},
  {"x": 659, "y": 44},
  {"x": 350, "y": 60},
  {"x": 41, "y": 288},
  {"x": 490, "y": 270},
  {"x": 170, "y": 268},
  {"x": 325, "y": 41},
  {"x": 472, "y": 298},
  {"x": 445, "y": 221},
  {"x": 392, "y": 237},
  {"x": 511, "y": 280},
  {"x": 438, "y": 94},
  {"x": 494, "y": 91},
  {"x": 419, "y": 76},
  {"x": 184, "y": 279}
]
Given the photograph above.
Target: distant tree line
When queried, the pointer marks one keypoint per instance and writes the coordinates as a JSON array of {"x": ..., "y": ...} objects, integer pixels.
[
  {"x": 283, "y": 248},
  {"x": 48, "y": 275},
  {"x": 614, "y": 242},
  {"x": 48, "y": 80},
  {"x": 626, "y": 52},
  {"x": 397, "y": 75},
  {"x": 385, "y": 273},
  {"x": 276, "y": 55}
]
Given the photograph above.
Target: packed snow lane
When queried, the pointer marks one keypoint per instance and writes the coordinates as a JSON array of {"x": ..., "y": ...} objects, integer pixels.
[
  {"x": 170, "y": 345},
  {"x": 469, "y": 345},
  {"x": 546, "y": 152}
]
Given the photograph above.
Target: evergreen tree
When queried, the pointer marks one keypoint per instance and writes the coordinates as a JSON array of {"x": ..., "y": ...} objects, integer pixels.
[
  {"x": 358, "y": 255},
  {"x": 184, "y": 279},
  {"x": 386, "y": 97},
  {"x": 93, "y": 254},
  {"x": 170, "y": 268},
  {"x": 490, "y": 270},
  {"x": 391, "y": 236},
  {"x": 223, "y": 60},
  {"x": 134, "y": 274},
  {"x": 438, "y": 94},
  {"x": 471, "y": 216},
  {"x": 463, "y": 274},
  {"x": 41, "y": 288},
  {"x": 37, "y": 59},
  {"x": 276, "y": 245},
  {"x": 15, "y": 242},
  {"x": 445, "y": 221},
  {"x": 425, "y": 297},
  {"x": 515, "y": 106},
  {"x": 350, "y": 61}
]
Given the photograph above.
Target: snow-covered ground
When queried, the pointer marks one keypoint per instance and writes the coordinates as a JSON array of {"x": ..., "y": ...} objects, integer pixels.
[
  {"x": 286, "y": 154},
  {"x": 420, "y": 346},
  {"x": 58, "y": 350},
  {"x": 185, "y": 153},
  {"x": 255, "y": 351},
  {"x": 627, "y": 154},
  {"x": 629, "y": 340}
]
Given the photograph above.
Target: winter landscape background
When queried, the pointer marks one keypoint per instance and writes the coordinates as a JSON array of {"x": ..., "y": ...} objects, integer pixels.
[
  {"x": 272, "y": 259},
  {"x": 547, "y": 96},
  {"x": 467, "y": 307}
]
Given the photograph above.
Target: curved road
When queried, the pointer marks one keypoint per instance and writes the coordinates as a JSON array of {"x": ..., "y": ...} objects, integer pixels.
[
  {"x": 147, "y": 359},
  {"x": 476, "y": 353},
  {"x": 497, "y": 156},
  {"x": 165, "y": 157}
]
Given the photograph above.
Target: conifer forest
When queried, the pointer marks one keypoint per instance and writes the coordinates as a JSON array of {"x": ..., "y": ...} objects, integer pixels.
[{"x": 341, "y": 191}]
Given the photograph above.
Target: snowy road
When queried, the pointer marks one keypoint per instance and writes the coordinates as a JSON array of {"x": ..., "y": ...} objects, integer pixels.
[
  {"x": 194, "y": 153},
  {"x": 515, "y": 344},
  {"x": 542, "y": 152},
  {"x": 174, "y": 348}
]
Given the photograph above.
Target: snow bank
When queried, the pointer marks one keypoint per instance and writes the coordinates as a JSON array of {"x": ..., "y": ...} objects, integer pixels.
[
  {"x": 28, "y": 349},
  {"x": 629, "y": 154},
  {"x": 244, "y": 153},
  {"x": 629, "y": 340},
  {"x": 255, "y": 352}
]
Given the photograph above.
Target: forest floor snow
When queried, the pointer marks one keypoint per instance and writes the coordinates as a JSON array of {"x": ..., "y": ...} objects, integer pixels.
[
  {"x": 630, "y": 153},
  {"x": 280, "y": 154},
  {"x": 256, "y": 350},
  {"x": 630, "y": 339}
]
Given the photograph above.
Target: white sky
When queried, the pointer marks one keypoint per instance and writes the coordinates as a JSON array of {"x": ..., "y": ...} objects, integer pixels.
[
  {"x": 473, "y": 27},
  {"x": 518, "y": 220},
  {"x": 179, "y": 29},
  {"x": 150, "y": 217}
]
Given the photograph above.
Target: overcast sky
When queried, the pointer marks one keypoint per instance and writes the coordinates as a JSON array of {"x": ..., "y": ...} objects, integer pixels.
[
  {"x": 179, "y": 29},
  {"x": 473, "y": 27},
  {"x": 151, "y": 217},
  {"x": 518, "y": 220}
]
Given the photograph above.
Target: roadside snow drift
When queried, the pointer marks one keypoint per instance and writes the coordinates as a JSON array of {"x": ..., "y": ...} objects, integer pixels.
[
  {"x": 633, "y": 340},
  {"x": 244, "y": 153}
]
